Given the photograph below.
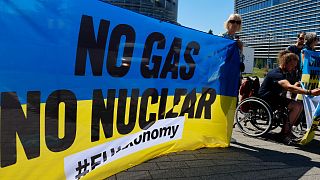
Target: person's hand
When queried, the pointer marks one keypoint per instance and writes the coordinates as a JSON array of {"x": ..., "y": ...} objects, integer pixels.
[
  {"x": 297, "y": 84},
  {"x": 315, "y": 92},
  {"x": 240, "y": 45}
]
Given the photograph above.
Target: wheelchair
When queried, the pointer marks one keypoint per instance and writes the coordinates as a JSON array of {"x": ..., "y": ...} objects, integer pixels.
[{"x": 255, "y": 117}]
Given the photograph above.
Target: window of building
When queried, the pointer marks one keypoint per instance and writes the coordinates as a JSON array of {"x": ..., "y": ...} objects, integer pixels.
[
  {"x": 261, "y": 5},
  {"x": 160, "y": 3}
]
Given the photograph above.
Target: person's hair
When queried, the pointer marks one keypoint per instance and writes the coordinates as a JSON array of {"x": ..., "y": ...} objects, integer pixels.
[
  {"x": 234, "y": 17},
  {"x": 285, "y": 56},
  {"x": 310, "y": 38},
  {"x": 301, "y": 32}
]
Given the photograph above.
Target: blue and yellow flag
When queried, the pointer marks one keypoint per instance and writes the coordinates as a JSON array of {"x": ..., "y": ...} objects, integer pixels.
[
  {"x": 310, "y": 69},
  {"x": 89, "y": 89},
  {"x": 310, "y": 80}
]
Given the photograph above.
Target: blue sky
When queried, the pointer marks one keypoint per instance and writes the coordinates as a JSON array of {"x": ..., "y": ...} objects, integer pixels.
[{"x": 205, "y": 14}]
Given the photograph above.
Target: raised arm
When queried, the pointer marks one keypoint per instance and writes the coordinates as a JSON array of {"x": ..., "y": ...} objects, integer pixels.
[{"x": 296, "y": 89}]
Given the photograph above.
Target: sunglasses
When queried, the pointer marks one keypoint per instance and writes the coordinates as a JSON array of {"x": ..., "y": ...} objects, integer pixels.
[
  {"x": 301, "y": 38},
  {"x": 234, "y": 21}
]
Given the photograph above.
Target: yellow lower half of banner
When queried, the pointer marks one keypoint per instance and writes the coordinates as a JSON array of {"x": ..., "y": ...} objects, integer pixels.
[
  {"x": 308, "y": 83},
  {"x": 195, "y": 133}
]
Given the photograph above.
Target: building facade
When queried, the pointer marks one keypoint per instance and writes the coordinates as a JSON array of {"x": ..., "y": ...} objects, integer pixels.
[
  {"x": 270, "y": 26},
  {"x": 165, "y": 10}
]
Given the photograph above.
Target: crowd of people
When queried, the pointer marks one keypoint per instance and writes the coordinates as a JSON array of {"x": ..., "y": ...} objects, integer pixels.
[{"x": 286, "y": 77}]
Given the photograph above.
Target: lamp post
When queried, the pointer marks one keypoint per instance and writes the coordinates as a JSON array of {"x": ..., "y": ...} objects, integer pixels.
[{"x": 268, "y": 60}]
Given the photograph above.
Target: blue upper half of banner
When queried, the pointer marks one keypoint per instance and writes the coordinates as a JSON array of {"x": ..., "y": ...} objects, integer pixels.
[
  {"x": 311, "y": 66},
  {"x": 311, "y": 62},
  {"x": 89, "y": 44}
]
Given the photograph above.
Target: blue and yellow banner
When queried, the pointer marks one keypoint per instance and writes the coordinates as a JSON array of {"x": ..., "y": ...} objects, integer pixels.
[
  {"x": 311, "y": 69},
  {"x": 89, "y": 89},
  {"x": 310, "y": 80}
]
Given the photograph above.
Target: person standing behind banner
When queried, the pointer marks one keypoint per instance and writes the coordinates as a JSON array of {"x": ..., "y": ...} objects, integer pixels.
[
  {"x": 296, "y": 48},
  {"x": 311, "y": 40},
  {"x": 233, "y": 25}
]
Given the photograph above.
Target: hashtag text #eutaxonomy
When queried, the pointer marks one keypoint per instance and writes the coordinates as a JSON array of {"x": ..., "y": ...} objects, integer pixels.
[{"x": 109, "y": 154}]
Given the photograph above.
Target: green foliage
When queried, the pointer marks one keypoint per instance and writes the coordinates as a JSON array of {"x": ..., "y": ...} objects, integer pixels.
[
  {"x": 259, "y": 72},
  {"x": 260, "y": 63}
]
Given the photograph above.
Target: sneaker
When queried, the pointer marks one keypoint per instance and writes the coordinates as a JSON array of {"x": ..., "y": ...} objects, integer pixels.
[
  {"x": 233, "y": 140},
  {"x": 287, "y": 141},
  {"x": 297, "y": 132}
]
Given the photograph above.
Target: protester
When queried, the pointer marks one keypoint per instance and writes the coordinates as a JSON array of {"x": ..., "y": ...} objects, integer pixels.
[
  {"x": 234, "y": 25},
  {"x": 275, "y": 86},
  {"x": 311, "y": 41},
  {"x": 297, "y": 47}
]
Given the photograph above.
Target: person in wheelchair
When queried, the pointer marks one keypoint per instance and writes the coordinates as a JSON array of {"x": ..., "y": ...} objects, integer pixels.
[{"x": 275, "y": 86}]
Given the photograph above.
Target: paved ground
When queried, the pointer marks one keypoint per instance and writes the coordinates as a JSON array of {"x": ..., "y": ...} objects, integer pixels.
[{"x": 247, "y": 158}]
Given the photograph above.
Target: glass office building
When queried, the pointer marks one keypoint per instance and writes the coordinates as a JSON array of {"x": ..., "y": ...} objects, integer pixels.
[
  {"x": 165, "y": 10},
  {"x": 272, "y": 25}
]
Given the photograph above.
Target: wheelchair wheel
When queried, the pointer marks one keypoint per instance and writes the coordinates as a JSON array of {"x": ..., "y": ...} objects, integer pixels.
[
  {"x": 280, "y": 116},
  {"x": 253, "y": 116}
]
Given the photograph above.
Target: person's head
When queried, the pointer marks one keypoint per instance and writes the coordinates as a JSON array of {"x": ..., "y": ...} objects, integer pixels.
[
  {"x": 300, "y": 38},
  {"x": 311, "y": 39},
  {"x": 233, "y": 24},
  {"x": 287, "y": 60}
]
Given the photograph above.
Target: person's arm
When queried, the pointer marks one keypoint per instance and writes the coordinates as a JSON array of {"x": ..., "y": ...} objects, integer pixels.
[
  {"x": 302, "y": 58},
  {"x": 296, "y": 89},
  {"x": 297, "y": 84},
  {"x": 240, "y": 45}
]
